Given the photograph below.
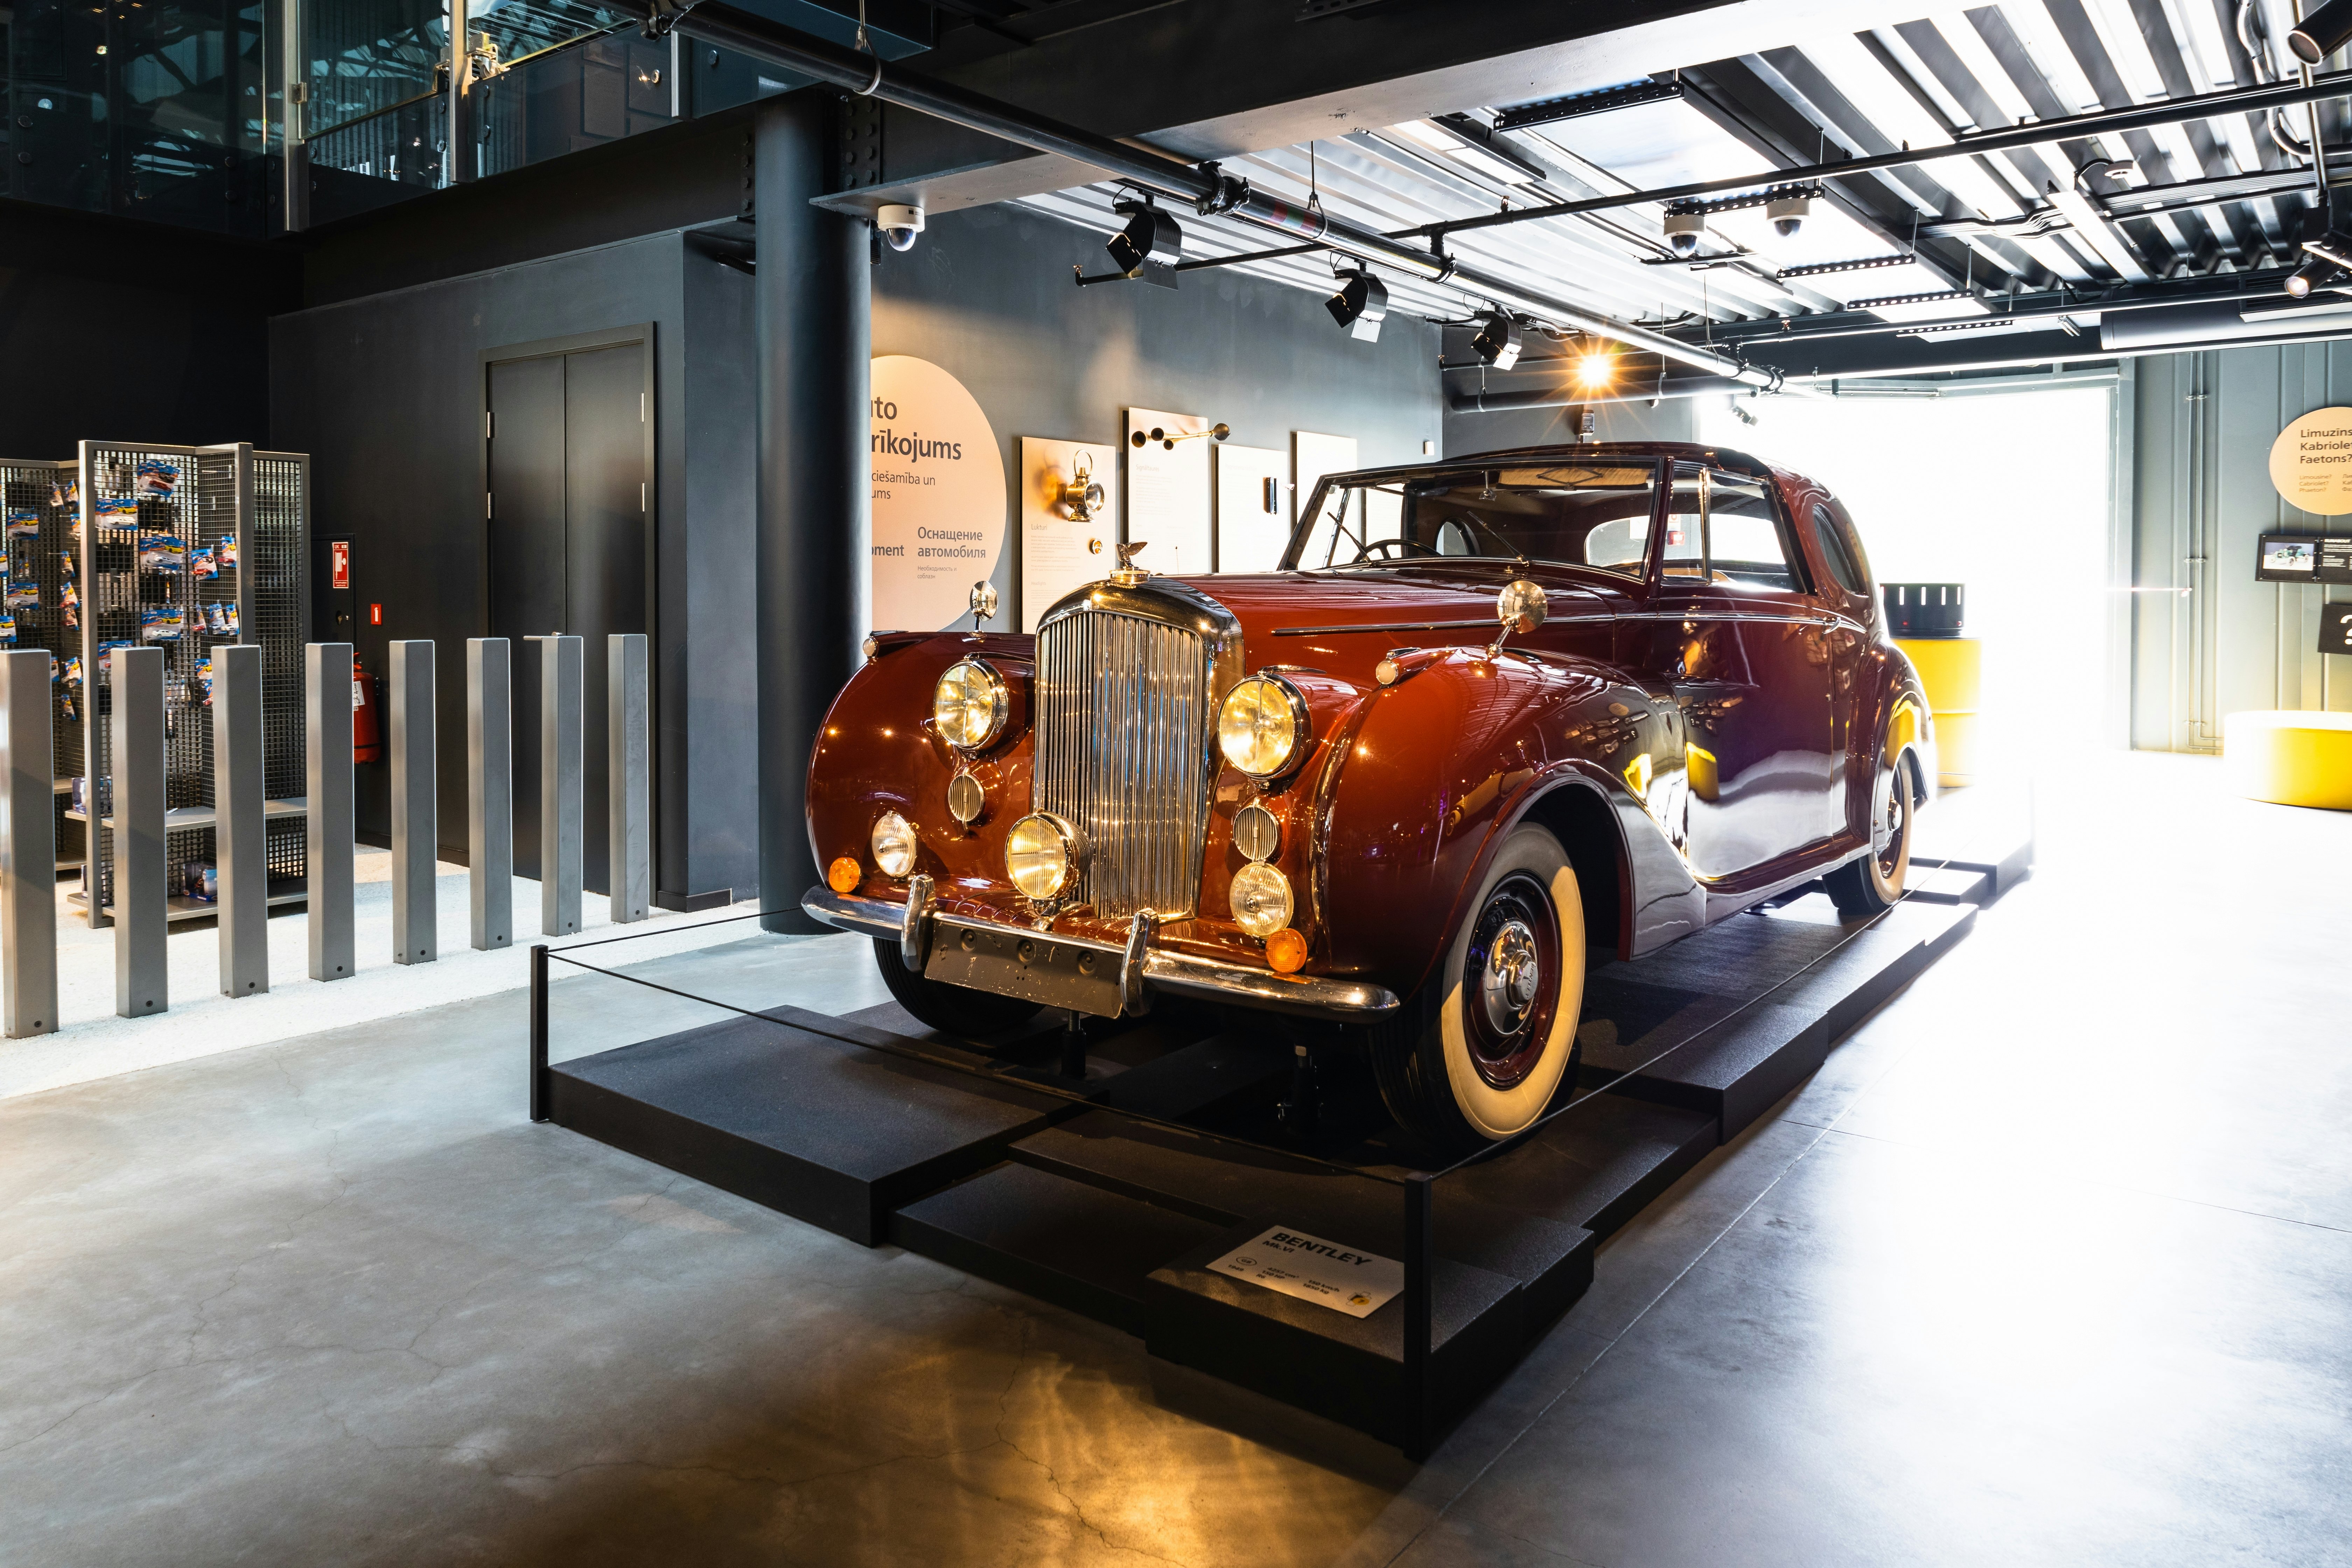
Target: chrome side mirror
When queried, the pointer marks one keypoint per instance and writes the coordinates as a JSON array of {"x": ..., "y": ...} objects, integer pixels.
[
  {"x": 1520, "y": 608},
  {"x": 984, "y": 603}
]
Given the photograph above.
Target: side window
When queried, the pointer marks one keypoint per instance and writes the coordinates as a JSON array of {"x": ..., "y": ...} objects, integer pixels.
[
  {"x": 1744, "y": 540},
  {"x": 1842, "y": 551},
  {"x": 1687, "y": 524}
]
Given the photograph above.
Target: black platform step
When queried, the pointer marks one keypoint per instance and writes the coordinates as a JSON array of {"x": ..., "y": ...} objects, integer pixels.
[
  {"x": 827, "y": 1131},
  {"x": 1649, "y": 1036},
  {"x": 1076, "y": 1246},
  {"x": 1597, "y": 1165}
]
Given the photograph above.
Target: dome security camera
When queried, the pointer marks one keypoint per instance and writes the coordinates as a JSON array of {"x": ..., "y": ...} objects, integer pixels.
[
  {"x": 899, "y": 225},
  {"x": 1683, "y": 231},
  {"x": 1788, "y": 214}
]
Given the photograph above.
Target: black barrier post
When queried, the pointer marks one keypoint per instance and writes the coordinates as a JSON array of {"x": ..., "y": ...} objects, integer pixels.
[
  {"x": 1417, "y": 1271},
  {"x": 539, "y": 1031}
]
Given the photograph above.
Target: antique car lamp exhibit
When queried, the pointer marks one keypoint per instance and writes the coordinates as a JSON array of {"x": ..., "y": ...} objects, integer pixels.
[{"x": 1595, "y": 695}]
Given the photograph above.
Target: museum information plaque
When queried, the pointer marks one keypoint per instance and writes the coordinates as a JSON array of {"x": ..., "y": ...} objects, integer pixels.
[
  {"x": 1313, "y": 1269},
  {"x": 2311, "y": 462},
  {"x": 938, "y": 496}
]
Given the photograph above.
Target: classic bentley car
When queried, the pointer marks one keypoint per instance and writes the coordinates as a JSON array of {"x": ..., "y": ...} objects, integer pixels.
[{"x": 1491, "y": 714}]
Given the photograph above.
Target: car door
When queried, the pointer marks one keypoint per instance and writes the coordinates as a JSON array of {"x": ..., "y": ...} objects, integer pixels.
[
  {"x": 1841, "y": 587},
  {"x": 1746, "y": 647}
]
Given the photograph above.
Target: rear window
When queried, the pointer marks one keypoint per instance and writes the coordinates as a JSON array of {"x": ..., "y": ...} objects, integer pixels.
[{"x": 1842, "y": 557}]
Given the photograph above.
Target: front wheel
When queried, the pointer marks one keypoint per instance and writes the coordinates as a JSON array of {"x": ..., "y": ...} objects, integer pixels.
[
  {"x": 950, "y": 1009},
  {"x": 1478, "y": 1052},
  {"x": 1874, "y": 883}
]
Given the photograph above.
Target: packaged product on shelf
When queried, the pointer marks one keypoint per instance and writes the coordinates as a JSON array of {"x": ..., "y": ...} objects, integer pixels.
[
  {"x": 24, "y": 523},
  {"x": 204, "y": 678},
  {"x": 107, "y": 648},
  {"x": 65, "y": 493},
  {"x": 158, "y": 479},
  {"x": 163, "y": 552},
  {"x": 117, "y": 511},
  {"x": 66, "y": 708},
  {"x": 217, "y": 620},
  {"x": 69, "y": 671},
  {"x": 162, "y": 622},
  {"x": 225, "y": 552},
  {"x": 7, "y": 626},
  {"x": 22, "y": 596},
  {"x": 68, "y": 598},
  {"x": 201, "y": 562},
  {"x": 203, "y": 882},
  {"x": 228, "y": 618},
  {"x": 82, "y": 795},
  {"x": 66, "y": 563}
]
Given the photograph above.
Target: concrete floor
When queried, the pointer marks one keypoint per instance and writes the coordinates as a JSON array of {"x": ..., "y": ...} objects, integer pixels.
[{"x": 2051, "y": 1263}]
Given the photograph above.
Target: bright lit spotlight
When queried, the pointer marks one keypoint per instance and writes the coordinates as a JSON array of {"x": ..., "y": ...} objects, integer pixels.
[{"x": 1595, "y": 370}]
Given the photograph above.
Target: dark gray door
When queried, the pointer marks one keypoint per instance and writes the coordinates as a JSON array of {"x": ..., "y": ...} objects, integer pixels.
[{"x": 567, "y": 550}]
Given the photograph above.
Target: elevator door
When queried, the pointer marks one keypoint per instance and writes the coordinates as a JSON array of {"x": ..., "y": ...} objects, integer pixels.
[{"x": 567, "y": 531}]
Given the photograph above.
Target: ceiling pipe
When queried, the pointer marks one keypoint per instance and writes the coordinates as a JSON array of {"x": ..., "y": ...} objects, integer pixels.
[
  {"x": 1559, "y": 397},
  {"x": 1211, "y": 192}
]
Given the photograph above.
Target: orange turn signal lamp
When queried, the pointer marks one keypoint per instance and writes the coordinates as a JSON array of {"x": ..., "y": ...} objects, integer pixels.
[
  {"x": 1285, "y": 951},
  {"x": 843, "y": 875}
]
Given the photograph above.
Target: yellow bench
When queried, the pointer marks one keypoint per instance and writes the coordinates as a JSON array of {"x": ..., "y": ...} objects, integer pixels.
[{"x": 2290, "y": 759}]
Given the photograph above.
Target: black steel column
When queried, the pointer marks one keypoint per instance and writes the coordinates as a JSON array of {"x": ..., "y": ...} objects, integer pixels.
[{"x": 814, "y": 475}]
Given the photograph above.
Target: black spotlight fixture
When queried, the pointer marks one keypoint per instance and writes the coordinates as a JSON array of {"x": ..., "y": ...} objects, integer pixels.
[
  {"x": 1361, "y": 305},
  {"x": 2334, "y": 246},
  {"x": 1150, "y": 245},
  {"x": 2322, "y": 33},
  {"x": 1497, "y": 340},
  {"x": 2318, "y": 272}
]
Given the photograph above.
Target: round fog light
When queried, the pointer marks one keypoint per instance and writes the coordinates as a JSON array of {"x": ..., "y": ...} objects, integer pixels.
[
  {"x": 1261, "y": 898},
  {"x": 1041, "y": 856},
  {"x": 843, "y": 876},
  {"x": 894, "y": 844}
]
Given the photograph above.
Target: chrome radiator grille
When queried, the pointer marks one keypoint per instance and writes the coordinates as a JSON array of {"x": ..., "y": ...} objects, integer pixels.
[{"x": 1123, "y": 744}]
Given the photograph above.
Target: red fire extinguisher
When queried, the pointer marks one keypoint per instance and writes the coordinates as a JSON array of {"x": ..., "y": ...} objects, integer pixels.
[{"x": 367, "y": 727}]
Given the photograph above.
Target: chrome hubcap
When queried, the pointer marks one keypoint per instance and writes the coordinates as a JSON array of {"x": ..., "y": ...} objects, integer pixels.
[{"x": 1512, "y": 977}]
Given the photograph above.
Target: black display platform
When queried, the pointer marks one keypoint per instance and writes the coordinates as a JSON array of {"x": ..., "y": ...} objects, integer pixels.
[{"x": 980, "y": 1155}]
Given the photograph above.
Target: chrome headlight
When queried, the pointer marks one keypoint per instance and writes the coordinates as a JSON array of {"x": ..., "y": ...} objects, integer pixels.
[
  {"x": 1041, "y": 856},
  {"x": 1261, "y": 724},
  {"x": 1261, "y": 898},
  {"x": 894, "y": 844},
  {"x": 969, "y": 705}
]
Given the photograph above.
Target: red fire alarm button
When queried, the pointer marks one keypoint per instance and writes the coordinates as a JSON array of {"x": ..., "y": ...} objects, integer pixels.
[{"x": 339, "y": 556}]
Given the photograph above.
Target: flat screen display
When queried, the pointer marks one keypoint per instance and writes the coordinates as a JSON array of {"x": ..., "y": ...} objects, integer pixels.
[{"x": 2302, "y": 557}]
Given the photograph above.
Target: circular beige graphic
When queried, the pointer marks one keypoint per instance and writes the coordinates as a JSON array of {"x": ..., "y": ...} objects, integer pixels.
[
  {"x": 2311, "y": 462},
  {"x": 939, "y": 497}
]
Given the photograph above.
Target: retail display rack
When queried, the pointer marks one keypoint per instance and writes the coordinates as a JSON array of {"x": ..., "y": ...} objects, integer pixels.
[
  {"x": 35, "y": 495},
  {"x": 184, "y": 549}
]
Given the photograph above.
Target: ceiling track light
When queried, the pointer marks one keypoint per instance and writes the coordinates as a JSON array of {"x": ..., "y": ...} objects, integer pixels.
[
  {"x": 1806, "y": 191},
  {"x": 1151, "y": 245},
  {"x": 1499, "y": 339},
  {"x": 2334, "y": 246},
  {"x": 1361, "y": 305},
  {"x": 1824, "y": 269},
  {"x": 2322, "y": 33},
  {"x": 2316, "y": 272},
  {"x": 1546, "y": 110}
]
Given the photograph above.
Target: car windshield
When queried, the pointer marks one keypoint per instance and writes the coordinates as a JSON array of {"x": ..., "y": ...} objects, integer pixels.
[{"x": 1569, "y": 514}]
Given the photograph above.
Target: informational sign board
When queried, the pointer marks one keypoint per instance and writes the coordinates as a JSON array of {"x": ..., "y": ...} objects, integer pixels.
[
  {"x": 938, "y": 496},
  {"x": 2311, "y": 462},
  {"x": 2302, "y": 557},
  {"x": 339, "y": 556},
  {"x": 1061, "y": 552},
  {"x": 1168, "y": 492},
  {"x": 1327, "y": 1273},
  {"x": 2336, "y": 628},
  {"x": 1253, "y": 507}
]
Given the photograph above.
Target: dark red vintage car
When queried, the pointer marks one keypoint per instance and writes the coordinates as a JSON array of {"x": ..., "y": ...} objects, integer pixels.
[{"x": 1491, "y": 712}]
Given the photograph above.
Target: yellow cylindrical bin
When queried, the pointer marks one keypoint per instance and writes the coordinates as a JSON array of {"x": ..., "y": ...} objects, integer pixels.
[
  {"x": 1951, "y": 672},
  {"x": 2289, "y": 758}
]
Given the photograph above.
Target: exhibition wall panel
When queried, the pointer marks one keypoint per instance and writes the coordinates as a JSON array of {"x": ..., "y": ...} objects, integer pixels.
[
  {"x": 986, "y": 295},
  {"x": 1471, "y": 430},
  {"x": 2207, "y": 638},
  {"x": 391, "y": 390}
]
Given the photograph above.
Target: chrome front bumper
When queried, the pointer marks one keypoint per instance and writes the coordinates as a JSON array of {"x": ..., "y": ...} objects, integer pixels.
[{"x": 1097, "y": 977}]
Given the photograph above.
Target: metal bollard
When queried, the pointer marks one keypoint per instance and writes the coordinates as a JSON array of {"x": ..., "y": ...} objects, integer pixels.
[
  {"x": 490, "y": 790},
  {"x": 561, "y": 807},
  {"x": 142, "y": 907},
  {"x": 327, "y": 683},
  {"x": 240, "y": 855},
  {"x": 539, "y": 1084},
  {"x": 416, "y": 823},
  {"x": 28, "y": 849},
  {"x": 628, "y": 763}
]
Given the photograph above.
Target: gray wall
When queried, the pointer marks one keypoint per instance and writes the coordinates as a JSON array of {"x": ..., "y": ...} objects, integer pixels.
[
  {"x": 986, "y": 295},
  {"x": 385, "y": 393},
  {"x": 2200, "y": 455},
  {"x": 1468, "y": 431}
]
